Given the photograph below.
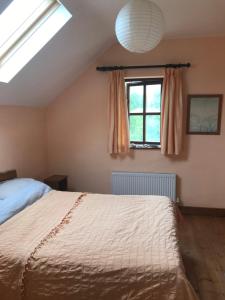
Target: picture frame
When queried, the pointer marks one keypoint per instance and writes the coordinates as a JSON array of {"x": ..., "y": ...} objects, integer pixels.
[{"x": 204, "y": 114}]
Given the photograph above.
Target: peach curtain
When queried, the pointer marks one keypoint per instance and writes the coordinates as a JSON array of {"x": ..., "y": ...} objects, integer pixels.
[
  {"x": 172, "y": 112},
  {"x": 118, "y": 115}
]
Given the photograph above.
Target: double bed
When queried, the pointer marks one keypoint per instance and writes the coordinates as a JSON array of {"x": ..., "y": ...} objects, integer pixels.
[{"x": 78, "y": 246}]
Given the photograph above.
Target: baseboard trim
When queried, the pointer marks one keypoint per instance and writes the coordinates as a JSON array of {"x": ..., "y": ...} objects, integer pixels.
[{"x": 203, "y": 211}]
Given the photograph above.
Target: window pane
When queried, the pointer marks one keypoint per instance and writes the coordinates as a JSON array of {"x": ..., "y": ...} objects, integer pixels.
[
  {"x": 153, "y": 98},
  {"x": 136, "y": 99},
  {"x": 153, "y": 128},
  {"x": 42, "y": 34},
  {"x": 136, "y": 128},
  {"x": 17, "y": 15}
]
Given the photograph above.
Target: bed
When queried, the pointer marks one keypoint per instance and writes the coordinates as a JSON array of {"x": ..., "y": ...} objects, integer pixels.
[{"x": 78, "y": 246}]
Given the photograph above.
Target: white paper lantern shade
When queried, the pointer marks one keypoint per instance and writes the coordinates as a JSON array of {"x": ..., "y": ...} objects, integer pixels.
[{"x": 139, "y": 26}]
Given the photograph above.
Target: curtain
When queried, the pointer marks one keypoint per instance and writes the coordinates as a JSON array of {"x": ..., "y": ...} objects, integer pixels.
[
  {"x": 118, "y": 115},
  {"x": 172, "y": 112}
]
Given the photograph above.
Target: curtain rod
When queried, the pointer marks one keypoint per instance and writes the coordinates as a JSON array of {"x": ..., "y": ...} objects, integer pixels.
[{"x": 113, "y": 68}]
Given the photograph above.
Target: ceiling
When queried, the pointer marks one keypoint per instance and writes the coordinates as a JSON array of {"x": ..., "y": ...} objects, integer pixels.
[{"x": 89, "y": 33}]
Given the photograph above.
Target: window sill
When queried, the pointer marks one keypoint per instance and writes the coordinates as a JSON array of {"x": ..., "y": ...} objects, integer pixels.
[{"x": 145, "y": 147}]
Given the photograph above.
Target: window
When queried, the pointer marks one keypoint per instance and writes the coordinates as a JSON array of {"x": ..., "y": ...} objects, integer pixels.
[
  {"x": 25, "y": 27},
  {"x": 144, "y": 108}
]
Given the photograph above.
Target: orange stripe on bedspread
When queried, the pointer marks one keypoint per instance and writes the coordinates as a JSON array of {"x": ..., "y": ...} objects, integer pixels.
[{"x": 50, "y": 235}]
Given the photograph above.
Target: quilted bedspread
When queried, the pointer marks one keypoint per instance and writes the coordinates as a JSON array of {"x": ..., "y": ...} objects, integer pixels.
[{"x": 73, "y": 246}]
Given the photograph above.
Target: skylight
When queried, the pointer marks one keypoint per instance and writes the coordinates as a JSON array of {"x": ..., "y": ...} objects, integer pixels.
[{"x": 25, "y": 27}]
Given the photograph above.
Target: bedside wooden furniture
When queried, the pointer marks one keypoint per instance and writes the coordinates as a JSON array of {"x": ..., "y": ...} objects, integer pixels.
[{"x": 57, "y": 182}]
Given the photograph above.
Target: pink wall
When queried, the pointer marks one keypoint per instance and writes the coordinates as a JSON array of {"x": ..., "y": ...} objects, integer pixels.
[
  {"x": 77, "y": 126},
  {"x": 23, "y": 140}
]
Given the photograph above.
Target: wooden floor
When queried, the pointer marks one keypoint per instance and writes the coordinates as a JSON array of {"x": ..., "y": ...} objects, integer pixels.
[{"x": 203, "y": 250}]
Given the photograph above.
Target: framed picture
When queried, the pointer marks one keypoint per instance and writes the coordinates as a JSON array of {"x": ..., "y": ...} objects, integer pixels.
[{"x": 204, "y": 114}]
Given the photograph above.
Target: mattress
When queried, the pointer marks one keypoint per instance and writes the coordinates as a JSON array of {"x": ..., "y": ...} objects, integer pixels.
[{"x": 74, "y": 246}]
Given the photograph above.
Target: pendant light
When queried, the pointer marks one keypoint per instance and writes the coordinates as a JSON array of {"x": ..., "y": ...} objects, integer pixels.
[{"x": 139, "y": 26}]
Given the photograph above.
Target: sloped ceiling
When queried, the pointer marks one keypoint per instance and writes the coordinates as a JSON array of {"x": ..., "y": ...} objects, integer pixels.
[{"x": 89, "y": 33}]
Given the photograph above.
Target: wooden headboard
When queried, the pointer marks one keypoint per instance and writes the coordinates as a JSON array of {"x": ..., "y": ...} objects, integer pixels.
[{"x": 8, "y": 175}]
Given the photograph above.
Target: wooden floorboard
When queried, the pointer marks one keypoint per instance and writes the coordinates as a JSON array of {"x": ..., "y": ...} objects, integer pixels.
[{"x": 202, "y": 241}]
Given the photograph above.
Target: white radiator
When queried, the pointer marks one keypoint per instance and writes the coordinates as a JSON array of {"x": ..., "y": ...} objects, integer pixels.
[{"x": 125, "y": 183}]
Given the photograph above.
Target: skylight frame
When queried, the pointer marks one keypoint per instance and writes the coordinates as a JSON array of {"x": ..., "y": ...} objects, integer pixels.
[
  {"x": 23, "y": 32},
  {"x": 52, "y": 18}
]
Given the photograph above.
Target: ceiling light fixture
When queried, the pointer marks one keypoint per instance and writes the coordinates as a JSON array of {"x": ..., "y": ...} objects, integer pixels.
[{"x": 139, "y": 26}]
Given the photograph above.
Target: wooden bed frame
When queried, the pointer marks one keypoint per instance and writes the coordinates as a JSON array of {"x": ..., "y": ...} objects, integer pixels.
[{"x": 8, "y": 175}]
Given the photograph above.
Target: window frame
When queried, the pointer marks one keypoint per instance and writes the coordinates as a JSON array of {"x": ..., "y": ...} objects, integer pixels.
[
  {"x": 24, "y": 35},
  {"x": 25, "y": 39},
  {"x": 144, "y": 82}
]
